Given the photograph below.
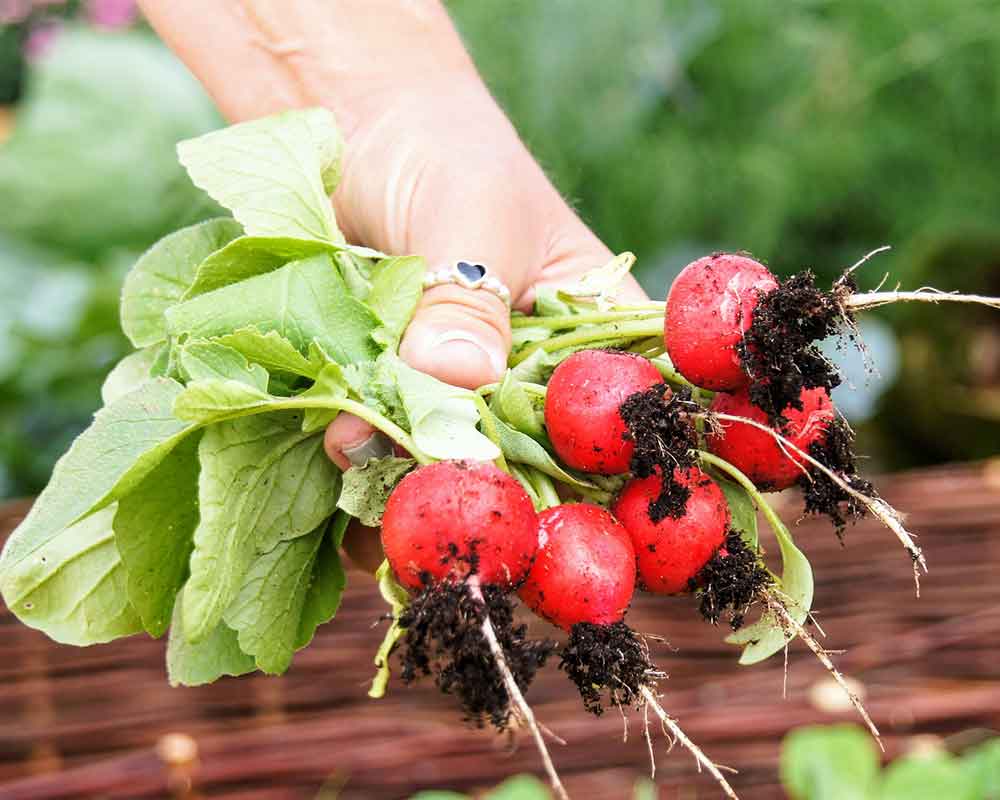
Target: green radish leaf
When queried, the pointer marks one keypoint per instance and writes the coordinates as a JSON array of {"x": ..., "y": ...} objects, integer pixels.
[
  {"x": 275, "y": 174},
  {"x": 512, "y": 404},
  {"x": 927, "y": 778},
  {"x": 303, "y": 301},
  {"x": 536, "y": 368},
  {"x": 124, "y": 443},
  {"x": 442, "y": 418},
  {"x": 203, "y": 360},
  {"x": 72, "y": 586},
  {"x": 742, "y": 510},
  {"x": 398, "y": 599},
  {"x": 271, "y": 350},
  {"x": 154, "y": 529},
  {"x": 268, "y": 612},
  {"x": 328, "y": 582},
  {"x": 357, "y": 273},
  {"x": 520, "y": 448},
  {"x": 525, "y": 335},
  {"x": 208, "y": 401},
  {"x": 249, "y": 256},
  {"x": 129, "y": 373},
  {"x": 330, "y": 386},
  {"x": 366, "y": 489},
  {"x": 549, "y": 304},
  {"x": 768, "y": 635},
  {"x": 163, "y": 274},
  {"x": 262, "y": 481},
  {"x": 216, "y": 655},
  {"x": 829, "y": 762},
  {"x": 397, "y": 285}
]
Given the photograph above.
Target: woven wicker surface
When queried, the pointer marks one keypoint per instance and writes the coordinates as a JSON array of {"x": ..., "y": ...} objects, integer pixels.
[{"x": 88, "y": 722}]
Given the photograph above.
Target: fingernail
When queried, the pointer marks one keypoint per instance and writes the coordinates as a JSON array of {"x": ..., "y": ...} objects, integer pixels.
[
  {"x": 378, "y": 445},
  {"x": 496, "y": 359}
]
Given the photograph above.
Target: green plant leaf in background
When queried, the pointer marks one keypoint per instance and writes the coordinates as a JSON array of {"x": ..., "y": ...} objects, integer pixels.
[
  {"x": 277, "y": 606},
  {"x": 125, "y": 442},
  {"x": 303, "y": 301},
  {"x": 275, "y": 174},
  {"x": 154, "y": 529},
  {"x": 366, "y": 489},
  {"x": 216, "y": 655},
  {"x": 982, "y": 764},
  {"x": 73, "y": 586},
  {"x": 829, "y": 762},
  {"x": 932, "y": 777},
  {"x": 163, "y": 274},
  {"x": 262, "y": 481},
  {"x": 90, "y": 165}
]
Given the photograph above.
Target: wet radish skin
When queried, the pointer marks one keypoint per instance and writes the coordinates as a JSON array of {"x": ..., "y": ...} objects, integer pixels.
[
  {"x": 756, "y": 454},
  {"x": 709, "y": 308},
  {"x": 585, "y": 568},
  {"x": 472, "y": 505},
  {"x": 582, "y": 408},
  {"x": 671, "y": 552}
]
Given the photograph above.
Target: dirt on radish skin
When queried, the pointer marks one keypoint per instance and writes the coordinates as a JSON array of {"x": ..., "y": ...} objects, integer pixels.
[
  {"x": 671, "y": 551},
  {"x": 709, "y": 307},
  {"x": 582, "y": 406},
  {"x": 731, "y": 582},
  {"x": 778, "y": 350},
  {"x": 660, "y": 424},
  {"x": 439, "y": 515}
]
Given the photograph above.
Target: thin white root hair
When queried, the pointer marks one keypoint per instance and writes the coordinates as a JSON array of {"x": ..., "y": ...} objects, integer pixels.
[
  {"x": 779, "y": 608},
  {"x": 649, "y": 741},
  {"x": 880, "y": 509},
  {"x": 680, "y": 736},
  {"x": 866, "y": 257},
  {"x": 517, "y": 698},
  {"x": 927, "y": 294}
]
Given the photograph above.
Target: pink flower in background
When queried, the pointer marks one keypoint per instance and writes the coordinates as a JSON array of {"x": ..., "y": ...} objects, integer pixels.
[
  {"x": 112, "y": 13},
  {"x": 12, "y": 11},
  {"x": 41, "y": 38}
]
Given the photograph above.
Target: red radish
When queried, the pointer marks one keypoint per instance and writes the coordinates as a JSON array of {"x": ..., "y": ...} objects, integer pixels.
[
  {"x": 709, "y": 308},
  {"x": 757, "y": 454},
  {"x": 672, "y": 551},
  {"x": 582, "y": 406},
  {"x": 444, "y": 516},
  {"x": 585, "y": 569}
]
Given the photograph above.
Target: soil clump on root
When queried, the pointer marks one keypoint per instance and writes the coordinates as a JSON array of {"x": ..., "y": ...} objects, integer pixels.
[
  {"x": 659, "y": 422},
  {"x": 778, "y": 350},
  {"x": 731, "y": 582},
  {"x": 607, "y": 659},
  {"x": 823, "y": 496},
  {"x": 444, "y": 639}
]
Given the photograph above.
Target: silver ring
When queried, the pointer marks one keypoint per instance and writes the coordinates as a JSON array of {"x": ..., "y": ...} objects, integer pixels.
[{"x": 469, "y": 275}]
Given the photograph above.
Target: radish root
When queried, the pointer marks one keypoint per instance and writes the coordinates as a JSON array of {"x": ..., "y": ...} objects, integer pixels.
[
  {"x": 517, "y": 698},
  {"x": 680, "y": 736}
]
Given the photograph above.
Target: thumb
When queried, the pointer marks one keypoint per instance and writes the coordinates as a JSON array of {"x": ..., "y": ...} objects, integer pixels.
[{"x": 460, "y": 336}]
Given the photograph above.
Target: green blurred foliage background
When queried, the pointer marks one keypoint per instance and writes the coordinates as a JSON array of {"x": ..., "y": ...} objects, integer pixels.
[{"x": 806, "y": 132}]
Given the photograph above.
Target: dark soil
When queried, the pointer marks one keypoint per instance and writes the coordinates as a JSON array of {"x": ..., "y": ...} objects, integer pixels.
[
  {"x": 660, "y": 423},
  {"x": 778, "y": 350},
  {"x": 823, "y": 496},
  {"x": 444, "y": 638},
  {"x": 606, "y": 659},
  {"x": 731, "y": 582}
]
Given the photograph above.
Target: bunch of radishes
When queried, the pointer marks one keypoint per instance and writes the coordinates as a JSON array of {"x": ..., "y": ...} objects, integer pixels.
[{"x": 744, "y": 395}]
